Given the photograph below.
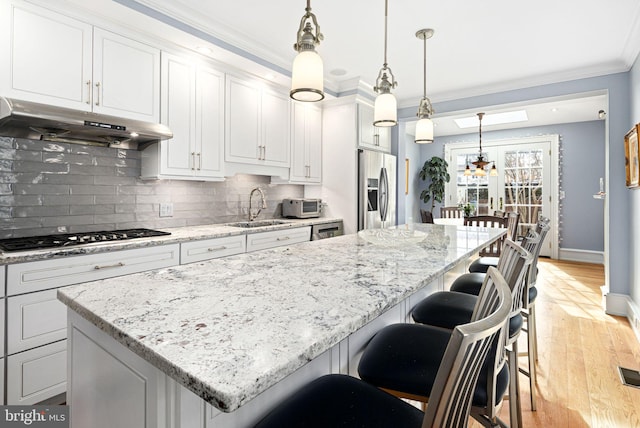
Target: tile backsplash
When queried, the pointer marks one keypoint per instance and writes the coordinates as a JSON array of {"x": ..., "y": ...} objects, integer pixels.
[{"x": 48, "y": 187}]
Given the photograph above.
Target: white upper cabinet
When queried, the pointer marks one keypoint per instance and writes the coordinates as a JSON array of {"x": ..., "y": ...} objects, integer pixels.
[
  {"x": 372, "y": 137},
  {"x": 256, "y": 124},
  {"x": 193, "y": 108},
  {"x": 57, "y": 60},
  {"x": 306, "y": 144}
]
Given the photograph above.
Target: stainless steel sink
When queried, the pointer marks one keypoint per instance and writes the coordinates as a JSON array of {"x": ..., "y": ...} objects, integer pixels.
[{"x": 259, "y": 223}]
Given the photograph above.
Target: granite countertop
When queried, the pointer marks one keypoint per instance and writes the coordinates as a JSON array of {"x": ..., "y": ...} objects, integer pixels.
[
  {"x": 178, "y": 235},
  {"x": 229, "y": 328}
]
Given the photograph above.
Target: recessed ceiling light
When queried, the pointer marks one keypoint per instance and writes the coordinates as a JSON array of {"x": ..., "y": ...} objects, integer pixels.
[
  {"x": 338, "y": 72},
  {"x": 555, "y": 109},
  {"x": 269, "y": 76},
  {"x": 493, "y": 119}
]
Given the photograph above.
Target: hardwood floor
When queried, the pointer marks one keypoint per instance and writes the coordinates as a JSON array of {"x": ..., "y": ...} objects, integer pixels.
[{"x": 580, "y": 348}]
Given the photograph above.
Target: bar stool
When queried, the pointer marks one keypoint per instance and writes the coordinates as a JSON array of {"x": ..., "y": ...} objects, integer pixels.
[
  {"x": 402, "y": 358},
  {"x": 447, "y": 309},
  {"x": 340, "y": 400}
]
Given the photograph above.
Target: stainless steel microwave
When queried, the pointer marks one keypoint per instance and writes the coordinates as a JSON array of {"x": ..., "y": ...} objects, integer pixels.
[{"x": 301, "y": 208}]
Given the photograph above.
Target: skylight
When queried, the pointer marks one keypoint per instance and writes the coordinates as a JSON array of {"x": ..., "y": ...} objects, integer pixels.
[{"x": 493, "y": 119}]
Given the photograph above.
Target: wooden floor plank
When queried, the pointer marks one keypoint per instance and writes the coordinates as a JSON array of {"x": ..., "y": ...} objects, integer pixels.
[{"x": 580, "y": 349}]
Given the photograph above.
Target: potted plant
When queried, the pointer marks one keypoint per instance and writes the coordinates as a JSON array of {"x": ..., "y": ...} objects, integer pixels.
[{"x": 435, "y": 169}]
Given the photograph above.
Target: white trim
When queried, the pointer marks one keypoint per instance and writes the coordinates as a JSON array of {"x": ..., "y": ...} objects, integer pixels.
[
  {"x": 585, "y": 256},
  {"x": 554, "y": 170},
  {"x": 622, "y": 305},
  {"x": 633, "y": 315}
]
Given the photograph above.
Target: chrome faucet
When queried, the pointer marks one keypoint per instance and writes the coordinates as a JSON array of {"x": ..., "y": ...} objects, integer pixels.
[{"x": 264, "y": 203}]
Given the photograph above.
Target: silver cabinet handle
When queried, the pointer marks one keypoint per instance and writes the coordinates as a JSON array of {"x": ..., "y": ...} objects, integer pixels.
[
  {"x": 199, "y": 160},
  {"x": 97, "y": 93},
  {"x": 88, "y": 92},
  {"x": 193, "y": 161},
  {"x": 284, "y": 238},
  {"x": 120, "y": 264},
  {"x": 264, "y": 152},
  {"x": 217, "y": 249}
]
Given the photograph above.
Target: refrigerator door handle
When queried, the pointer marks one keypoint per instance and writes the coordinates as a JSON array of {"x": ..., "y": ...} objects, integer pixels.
[{"x": 383, "y": 194}]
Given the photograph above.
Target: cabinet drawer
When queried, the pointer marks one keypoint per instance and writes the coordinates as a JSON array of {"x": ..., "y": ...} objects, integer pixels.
[
  {"x": 212, "y": 248},
  {"x": 277, "y": 238},
  {"x": 41, "y": 275},
  {"x": 35, "y": 319},
  {"x": 37, "y": 374}
]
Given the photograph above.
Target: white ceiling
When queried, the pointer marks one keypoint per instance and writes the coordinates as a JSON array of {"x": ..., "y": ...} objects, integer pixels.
[{"x": 479, "y": 47}]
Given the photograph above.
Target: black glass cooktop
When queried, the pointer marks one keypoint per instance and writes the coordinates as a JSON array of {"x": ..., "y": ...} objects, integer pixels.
[{"x": 68, "y": 239}]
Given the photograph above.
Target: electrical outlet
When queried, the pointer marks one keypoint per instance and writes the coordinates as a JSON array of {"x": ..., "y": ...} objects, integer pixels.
[{"x": 166, "y": 210}]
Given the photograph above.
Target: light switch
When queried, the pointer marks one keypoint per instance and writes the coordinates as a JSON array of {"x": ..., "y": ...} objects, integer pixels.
[{"x": 166, "y": 210}]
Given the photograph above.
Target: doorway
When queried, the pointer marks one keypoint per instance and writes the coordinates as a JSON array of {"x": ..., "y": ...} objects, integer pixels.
[{"x": 527, "y": 181}]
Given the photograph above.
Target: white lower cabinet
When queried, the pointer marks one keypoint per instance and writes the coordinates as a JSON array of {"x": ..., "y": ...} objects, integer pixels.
[
  {"x": 36, "y": 319},
  {"x": 37, "y": 322},
  {"x": 37, "y": 374},
  {"x": 206, "y": 249},
  {"x": 277, "y": 238}
]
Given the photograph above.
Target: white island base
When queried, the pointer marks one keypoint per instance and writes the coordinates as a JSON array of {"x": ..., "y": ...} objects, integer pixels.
[{"x": 110, "y": 386}]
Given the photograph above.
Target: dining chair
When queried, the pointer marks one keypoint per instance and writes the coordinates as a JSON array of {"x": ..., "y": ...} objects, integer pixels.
[
  {"x": 426, "y": 216},
  {"x": 403, "y": 359},
  {"x": 341, "y": 400},
  {"x": 451, "y": 212},
  {"x": 490, "y": 257},
  {"x": 447, "y": 309},
  {"x": 493, "y": 250}
]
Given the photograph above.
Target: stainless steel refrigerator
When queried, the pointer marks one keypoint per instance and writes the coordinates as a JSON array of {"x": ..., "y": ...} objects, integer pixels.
[{"x": 376, "y": 190}]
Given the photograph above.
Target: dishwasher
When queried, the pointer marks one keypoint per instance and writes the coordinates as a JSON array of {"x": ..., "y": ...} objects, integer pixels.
[{"x": 326, "y": 230}]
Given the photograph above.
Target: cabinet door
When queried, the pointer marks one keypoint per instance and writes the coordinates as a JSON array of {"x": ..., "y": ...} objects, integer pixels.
[
  {"x": 277, "y": 238},
  {"x": 126, "y": 77},
  {"x": 313, "y": 136},
  {"x": 242, "y": 121},
  {"x": 46, "y": 57},
  {"x": 209, "y": 122},
  {"x": 275, "y": 126},
  {"x": 383, "y": 137},
  {"x": 35, "y": 319},
  {"x": 365, "y": 127},
  {"x": 178, "y": 104},
  {"x": 299, "y": 166},
  {"x": 306, "y": 144},
  {"x": 37, "y": 374}
]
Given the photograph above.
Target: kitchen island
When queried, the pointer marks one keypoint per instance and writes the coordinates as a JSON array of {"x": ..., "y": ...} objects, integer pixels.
[{"x": 218, "y": 343}]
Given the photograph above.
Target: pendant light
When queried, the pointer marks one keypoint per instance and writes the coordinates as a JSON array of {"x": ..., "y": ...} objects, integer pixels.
[
  {"x": 480, "y": 163},
  {"x": 307, "y": 74},
  {"x": 386, "y": 107},
  {"x": 424, "y": 127}
]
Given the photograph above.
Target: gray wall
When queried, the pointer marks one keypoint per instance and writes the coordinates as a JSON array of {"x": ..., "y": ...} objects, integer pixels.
[
  {"x": 50, "y": 188},
  {"x": 582, "y": 163},
  {"x": 634, "y": 195}
]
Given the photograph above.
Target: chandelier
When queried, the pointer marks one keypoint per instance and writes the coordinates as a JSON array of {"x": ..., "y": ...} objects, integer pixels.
[{"x": 480, "y": 163}]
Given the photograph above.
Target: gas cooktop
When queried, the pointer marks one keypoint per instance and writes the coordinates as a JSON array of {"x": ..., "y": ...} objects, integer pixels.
[{"x": 68, "y": 239}]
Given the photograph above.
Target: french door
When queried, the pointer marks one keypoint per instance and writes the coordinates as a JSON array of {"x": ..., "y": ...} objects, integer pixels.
[{"x": 526, "y": 182}]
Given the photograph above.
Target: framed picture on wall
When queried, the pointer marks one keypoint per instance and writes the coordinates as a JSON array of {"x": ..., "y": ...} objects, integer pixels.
[{"x": 631, "y": 161}]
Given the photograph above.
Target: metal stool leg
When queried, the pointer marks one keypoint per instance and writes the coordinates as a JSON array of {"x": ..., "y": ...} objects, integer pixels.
[{"x": 515, "y": 408}]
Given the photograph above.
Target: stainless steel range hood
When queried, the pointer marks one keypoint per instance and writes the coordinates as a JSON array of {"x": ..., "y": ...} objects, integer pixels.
[{"x": 25, "y": 119}]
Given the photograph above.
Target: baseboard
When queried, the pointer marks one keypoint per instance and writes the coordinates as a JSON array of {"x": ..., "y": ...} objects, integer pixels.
[
  {"x": 622, "y": 305},
  {"x": 585, "y": 256}
]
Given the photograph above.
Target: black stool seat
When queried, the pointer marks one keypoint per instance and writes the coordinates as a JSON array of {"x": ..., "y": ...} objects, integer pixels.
[
  {"x": 406, "y": 357},
  {"x": 447, "y": 309},
  {"x": 481, "y": 264},
  {"x": 533, "y": 293},
  {"x": 342, "y": 401},
  {"x": 469, "y": 283}
]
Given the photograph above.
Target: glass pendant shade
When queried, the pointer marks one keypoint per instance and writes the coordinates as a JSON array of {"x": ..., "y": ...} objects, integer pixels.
[
  {"x": 307, "y": 77},
  {"x": 385, "y": 110},
  {"x": 467, "y": 171},
  {"x": 494, "y": 171},
  {"x": 480, "y": 172},
  {"x": 424, "y": 131}
]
